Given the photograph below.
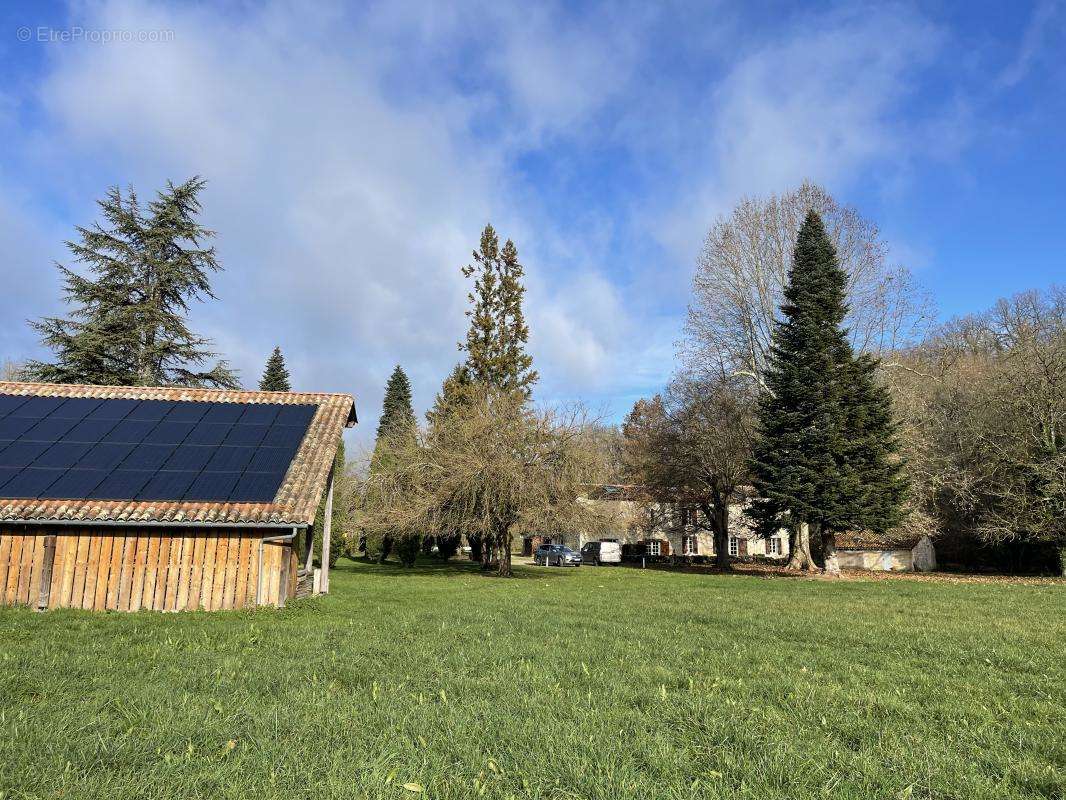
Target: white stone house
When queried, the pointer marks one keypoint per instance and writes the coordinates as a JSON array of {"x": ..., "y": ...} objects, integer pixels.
[
  {"x": 664, "y": 529},
  {"x": 886, "y": 553}
]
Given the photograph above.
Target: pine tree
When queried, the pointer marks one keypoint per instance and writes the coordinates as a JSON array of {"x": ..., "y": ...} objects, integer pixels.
[
  {"x": 498, "y": 333},
  {"x": 276, "y": 375},
  {"x": 128, "y": 326},
  {"x": 450, "y": 394},
  {"x": 397, "y": 415},
  {"x": 825, "y": 456},
  {"x": 397, "y": 431},
  {"x": 799, "y": 447}
]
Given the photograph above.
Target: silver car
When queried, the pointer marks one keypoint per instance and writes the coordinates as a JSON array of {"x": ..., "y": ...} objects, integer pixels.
[{"x": 556, "y": 555}]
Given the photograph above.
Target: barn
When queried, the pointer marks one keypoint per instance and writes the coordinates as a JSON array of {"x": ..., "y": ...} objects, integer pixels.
[
  {"x": 886, "y": 552},
  {"x": 173, "y": 499}
]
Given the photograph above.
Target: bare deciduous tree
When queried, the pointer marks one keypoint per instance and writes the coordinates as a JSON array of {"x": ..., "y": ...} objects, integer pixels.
[
  {"x": 743, "y": 268},
  {"x": 493, "y": 467}
]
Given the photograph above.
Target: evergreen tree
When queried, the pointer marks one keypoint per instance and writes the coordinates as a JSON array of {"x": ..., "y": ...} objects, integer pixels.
[
  {"x": 450, "y": 394},
  {"x": 397, "y": 430},
  {"x": 276, "y": 375},
  {"x": 128, "y": 325},
  {"x": 397, "y": 415},
  {"x": 498, "y": 333},
  {"x": 825, "y": 456}
]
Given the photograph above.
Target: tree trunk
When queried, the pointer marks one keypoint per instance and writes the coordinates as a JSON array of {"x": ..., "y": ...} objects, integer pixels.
[
  {"x": 386, "y": 549},
  {"x": 505, "y": 558},
  {"x": 799, "y": 556},
  {"x": 719, "y": 517},
  {"x": 1062, "y": 561},
  {"x": 488, "y": 546},
  {"x": 829, "y": 553},
  {"x": 476, "y": 546}
]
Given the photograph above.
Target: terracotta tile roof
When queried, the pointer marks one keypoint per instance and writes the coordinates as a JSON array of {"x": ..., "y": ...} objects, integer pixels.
[
  {"x": 295, "y": 503},
  {"x": 868, "y": 540}
]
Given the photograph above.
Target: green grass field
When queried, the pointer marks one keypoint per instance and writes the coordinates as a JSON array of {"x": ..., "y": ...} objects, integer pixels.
[{"x": 589, "y": 683}]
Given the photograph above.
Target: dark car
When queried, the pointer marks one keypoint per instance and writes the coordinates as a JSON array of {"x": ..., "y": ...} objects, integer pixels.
[{"x": 556, "y": 555}]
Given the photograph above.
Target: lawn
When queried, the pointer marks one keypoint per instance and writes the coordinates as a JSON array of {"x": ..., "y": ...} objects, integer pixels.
[{"x": 588, "y": 683}]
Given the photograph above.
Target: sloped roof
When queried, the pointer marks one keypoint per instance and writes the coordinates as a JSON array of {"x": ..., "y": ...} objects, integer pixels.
[
  {"x": 868, "y": 540},
  {"x": 295, "y": 502}
]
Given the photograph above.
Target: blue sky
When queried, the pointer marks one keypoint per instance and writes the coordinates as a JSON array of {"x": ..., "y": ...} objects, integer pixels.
[{"x": 354, "y": 153}]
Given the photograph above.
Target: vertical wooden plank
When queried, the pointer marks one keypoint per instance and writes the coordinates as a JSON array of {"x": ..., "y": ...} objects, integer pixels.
[
  {"x": 129, "y": 563},
  {"x": 5, "y": 554},
  {"x": 14, "y": 566},
  {"x": 271, "y": 566},
  {"x": 233, "y": 565},
  {"x": 151, "y": 572},
  {"x": 59, "y": 569},
  {"x": 81, "y": 566},
  {"x": 163, "y": 567},
  {"x": 140, "y": 565},
  {"x": 196, "y": 572},
  {"x": 219, "y": 584},
  {"x": 170, "y": 596},
  {"x": 253, "y": 570},
  {"x": 240, "y": 587},
  {"x": 25, "y": 567},
  {"x": 208, "y": 586},
  {"x": 107, "y": 545},
  {"x": 114, "y": 577},
  {"x": 92, "y": 568},
  {"x": 44, "y": 581},
  {"x": 188, "y": 547}
]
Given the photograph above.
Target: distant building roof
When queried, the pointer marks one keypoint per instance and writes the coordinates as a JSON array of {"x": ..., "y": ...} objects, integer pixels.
[
  {"x": 868, "y": 540},
  {"x": 165, "y": 455}
]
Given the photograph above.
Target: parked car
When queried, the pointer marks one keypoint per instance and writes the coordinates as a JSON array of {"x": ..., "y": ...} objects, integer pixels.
[
  {"x": 557, "y": 555},
  {"x": 601, "y": 553}
]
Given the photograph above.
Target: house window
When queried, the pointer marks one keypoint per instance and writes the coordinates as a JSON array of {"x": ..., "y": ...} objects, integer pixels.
[
  {"x": 734, "y": 545},
  {"x": 689, "y": 545},
  {"x": 773, "y": 546},
  {"x": 652, "y": 547},
  {"x": 688, "y": 516}
]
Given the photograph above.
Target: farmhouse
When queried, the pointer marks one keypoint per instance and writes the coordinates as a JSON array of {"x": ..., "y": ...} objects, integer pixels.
[
  {"x": 128, "y": 498},
  {"x": 663, "y": 529}
]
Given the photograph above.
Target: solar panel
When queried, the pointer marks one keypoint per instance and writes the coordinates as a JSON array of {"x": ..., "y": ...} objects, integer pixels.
[
  {"x": 62, "y": 455},
  {"x": 119, "y": 449},
  {"x": 151, "y": 409},
  {"x": 256, "y": 487},
  {"x": 122, "y": 484},
  {"x": 76, "y": 407},
  {"x": 208, "y": 433},
  {"x": 247, "y": 435},
  {"x": 166, "y": 485},
  {"x": 189, "y": 457},
  {"x": 74, "y": 483},
  {"x": 14, "y": 427},
  {"x": 130, "y": 431},
  {"x": 39, "y": 407},
  {"x": 230, "y": 459},
  {"x": 22, "y": 454},
  {"x": 10, "y": 402},
  {"x": 213, "y": 486},
  {"x": 48, "y": 430},
  {"x": 148, "y": 456},
  {"x": 31, "y": 482}
]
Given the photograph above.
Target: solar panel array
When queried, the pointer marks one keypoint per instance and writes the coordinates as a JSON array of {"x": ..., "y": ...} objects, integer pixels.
[{"x": 81, "y": 448}]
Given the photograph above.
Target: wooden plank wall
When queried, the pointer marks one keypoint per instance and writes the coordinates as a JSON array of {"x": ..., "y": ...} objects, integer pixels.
[{"x": 129, "y": 570}]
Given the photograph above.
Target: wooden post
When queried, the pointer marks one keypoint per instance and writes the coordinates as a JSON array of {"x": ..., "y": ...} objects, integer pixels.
[
  {"x": 46, "y": 571},
  {"x": 327, "y": 525}
]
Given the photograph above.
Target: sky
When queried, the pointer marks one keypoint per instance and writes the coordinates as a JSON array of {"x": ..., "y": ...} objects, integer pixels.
[{"x": 354, "y": 152}]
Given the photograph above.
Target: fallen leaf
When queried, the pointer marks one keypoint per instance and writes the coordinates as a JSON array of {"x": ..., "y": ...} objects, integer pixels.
[{"x": 413, "y": 787}]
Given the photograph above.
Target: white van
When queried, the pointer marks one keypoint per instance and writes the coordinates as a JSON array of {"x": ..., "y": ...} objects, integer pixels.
[{"x": 597, "y": 553}]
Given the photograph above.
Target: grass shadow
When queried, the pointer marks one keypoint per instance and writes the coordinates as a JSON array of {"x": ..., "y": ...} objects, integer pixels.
[{"x": 432, "y": 568}]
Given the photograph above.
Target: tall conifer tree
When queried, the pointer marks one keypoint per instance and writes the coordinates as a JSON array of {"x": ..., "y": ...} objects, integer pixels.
[
  {"x": 275, "y": 375},
  {"x": 496, "y": 340},
  {"x": 826, "y": 452},
  {"x": 146, "y": 264}
]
